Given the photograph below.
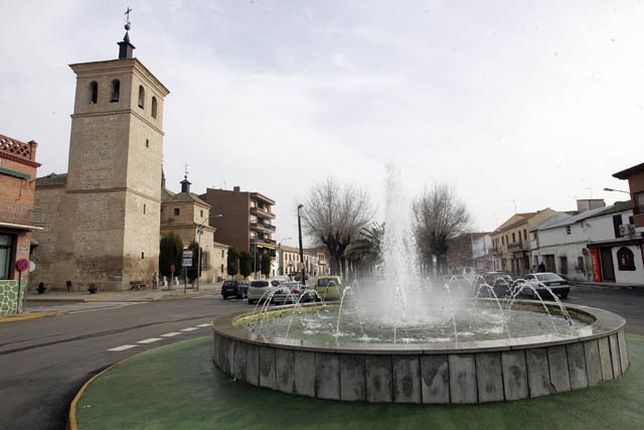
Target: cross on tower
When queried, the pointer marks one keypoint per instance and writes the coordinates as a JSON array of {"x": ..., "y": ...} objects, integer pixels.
[{"x": 127, "y": 13}]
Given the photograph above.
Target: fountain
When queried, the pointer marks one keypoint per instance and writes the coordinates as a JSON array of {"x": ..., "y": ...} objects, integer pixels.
[{"x": 402, "y": 339}]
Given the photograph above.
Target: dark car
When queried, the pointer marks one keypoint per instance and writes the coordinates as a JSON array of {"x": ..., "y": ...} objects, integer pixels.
[
  {"x": 235, "y": 288},
  {"x": 543, "y": 285},
  {"x": 500, "y": 282}
]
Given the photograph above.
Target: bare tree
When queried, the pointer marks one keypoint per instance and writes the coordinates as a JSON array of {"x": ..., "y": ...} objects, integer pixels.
[
  {"x": 439, "y": 216},
  {"x": 334, "y": 216}
]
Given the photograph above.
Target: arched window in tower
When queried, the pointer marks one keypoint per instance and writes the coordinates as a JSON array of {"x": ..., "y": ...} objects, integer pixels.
[
  {"x": 116, "y": 91},
  {"x": 141, "y": 96},
  {"x": 154, "y": 107},
  {"x": 93, "y": 90}
]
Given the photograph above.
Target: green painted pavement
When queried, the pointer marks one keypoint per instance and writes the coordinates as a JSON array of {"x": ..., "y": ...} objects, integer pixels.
[{"x": 178, "y": 387}]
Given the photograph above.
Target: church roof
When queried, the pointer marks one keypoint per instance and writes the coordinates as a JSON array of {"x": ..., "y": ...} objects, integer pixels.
[
  {"x": 52, "y": 180},
  {"x": 168, "y": 196}
]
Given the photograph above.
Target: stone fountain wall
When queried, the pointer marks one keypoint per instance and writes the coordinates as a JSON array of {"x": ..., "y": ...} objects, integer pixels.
[{"x": 475, "y": 372}]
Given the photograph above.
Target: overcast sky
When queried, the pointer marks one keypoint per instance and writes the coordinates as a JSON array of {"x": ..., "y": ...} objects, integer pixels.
[{"x": 519, "y": 105}]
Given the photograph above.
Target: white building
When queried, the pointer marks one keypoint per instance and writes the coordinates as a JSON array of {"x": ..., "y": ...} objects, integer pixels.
[{"x": 594, "y": 245}]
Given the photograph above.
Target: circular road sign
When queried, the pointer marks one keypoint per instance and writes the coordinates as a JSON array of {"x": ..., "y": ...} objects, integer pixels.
[
  {"x": 172, "y": 268},
  {"x": 22, "y": 264}
]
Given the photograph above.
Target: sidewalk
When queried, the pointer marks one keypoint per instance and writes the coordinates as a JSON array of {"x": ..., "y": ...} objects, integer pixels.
[{"x": 147, "y": 295}]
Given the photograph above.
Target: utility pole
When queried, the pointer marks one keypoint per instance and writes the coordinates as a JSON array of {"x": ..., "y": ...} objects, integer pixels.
[{"x": 299, "y": 232}]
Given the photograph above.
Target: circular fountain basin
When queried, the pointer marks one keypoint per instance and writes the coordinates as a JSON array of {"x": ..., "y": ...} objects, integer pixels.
[{"x": 429, "y": 373}]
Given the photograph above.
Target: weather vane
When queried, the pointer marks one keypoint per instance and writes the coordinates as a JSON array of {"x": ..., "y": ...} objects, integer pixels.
[{"x": 127, "y": 18}]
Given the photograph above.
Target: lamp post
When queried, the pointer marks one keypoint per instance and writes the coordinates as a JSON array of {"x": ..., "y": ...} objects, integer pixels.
[
  {"x": 617, "y": 191},
  {"x": 299, "y": 233},
  {"x": 199, "y": 233}
]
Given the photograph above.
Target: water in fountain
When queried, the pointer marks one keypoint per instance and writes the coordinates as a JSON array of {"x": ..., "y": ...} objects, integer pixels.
[{"x": 400, "y": 307}]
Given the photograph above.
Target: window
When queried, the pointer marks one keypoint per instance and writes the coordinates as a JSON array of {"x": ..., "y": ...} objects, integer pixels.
[
  {"x": 625, "y": 259},
  {"x": 6, "y": 246},
  {"x": 567, "y": 229},
  {"x": 177, "y": 211},
  {"x": 147, "y": 143},
  {"x": 639, "y": 202},
  {"x": 617, "y": 222},
  {"x": 201, "y": 213},
  {"x": 581, "y": 267},
  {"x": 116, "y": 91},
  {"x": 563, "y": 264},
  {"x": 154, "y": 107},
  {"x": 525, "y": 234},
  {"x": 93, "y": 90},
  {"x": 514, "y": 238},
  {"x": 222, "y": 256},
  {"x": 141, "y": 96}
]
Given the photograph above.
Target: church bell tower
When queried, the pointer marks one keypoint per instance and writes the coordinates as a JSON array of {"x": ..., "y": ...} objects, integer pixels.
[{"x": 113, "y": 188}]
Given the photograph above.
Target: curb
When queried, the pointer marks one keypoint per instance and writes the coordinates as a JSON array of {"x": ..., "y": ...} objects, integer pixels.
[{"x": 29, "y": 317}]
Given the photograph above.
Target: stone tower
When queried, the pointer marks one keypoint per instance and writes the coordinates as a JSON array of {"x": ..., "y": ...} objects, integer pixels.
[{"x": 104, "y": 226}]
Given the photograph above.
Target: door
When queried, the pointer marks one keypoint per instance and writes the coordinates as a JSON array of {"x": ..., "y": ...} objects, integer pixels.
[{"x": 608, "y": 269}]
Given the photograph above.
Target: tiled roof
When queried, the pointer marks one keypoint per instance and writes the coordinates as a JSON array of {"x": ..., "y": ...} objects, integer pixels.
[{"x": 52, "y": 180}]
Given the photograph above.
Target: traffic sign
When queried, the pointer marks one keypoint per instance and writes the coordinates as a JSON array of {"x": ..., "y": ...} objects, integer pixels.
[
  {"x": 187, "y": 262},
  {"x": 22, "y": 264},
  {"x": 173, "y": 268}
]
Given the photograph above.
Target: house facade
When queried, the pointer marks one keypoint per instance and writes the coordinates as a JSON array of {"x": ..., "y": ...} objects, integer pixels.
[
  {"x": 511, "y": 245},
  {"x": 18, "y": 220},
  {"x": 591, "y": 246}
]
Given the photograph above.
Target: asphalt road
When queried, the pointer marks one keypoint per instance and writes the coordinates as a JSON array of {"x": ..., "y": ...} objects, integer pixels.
[{"x": 44, "y": 362}]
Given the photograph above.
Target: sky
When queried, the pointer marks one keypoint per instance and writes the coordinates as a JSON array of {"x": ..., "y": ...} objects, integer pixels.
[{"x": 516, "y": 105}]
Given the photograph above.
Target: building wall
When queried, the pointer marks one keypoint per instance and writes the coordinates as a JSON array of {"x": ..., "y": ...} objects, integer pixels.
[
  {"x": 17, "y": 173},
  {"x": 233, "y": 227}
]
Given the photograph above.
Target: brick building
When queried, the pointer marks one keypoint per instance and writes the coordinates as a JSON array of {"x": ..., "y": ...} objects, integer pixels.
[{"x": 18, "y": 218}]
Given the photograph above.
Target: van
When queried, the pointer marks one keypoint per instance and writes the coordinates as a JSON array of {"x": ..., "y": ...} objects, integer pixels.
[{"x": 328, "y": 287}]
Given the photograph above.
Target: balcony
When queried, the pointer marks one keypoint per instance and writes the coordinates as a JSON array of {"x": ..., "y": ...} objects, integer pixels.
[
  {"x": 516, "y": 246},
  {"x": 20, "y": 215}
]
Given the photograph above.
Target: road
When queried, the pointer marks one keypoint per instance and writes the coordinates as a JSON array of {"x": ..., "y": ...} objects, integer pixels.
[{"x": 44, "y": 362}]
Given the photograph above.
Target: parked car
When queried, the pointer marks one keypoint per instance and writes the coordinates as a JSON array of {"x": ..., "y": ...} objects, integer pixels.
[
  {"x": 235, "y": 288},
  {"x": 261, "y": 289},
  {"x": 293, "y": 292},
  {"x": 500, "y": 282},
  {"x": 555, "y": 283},
  {"x": 328, "y": 287}
]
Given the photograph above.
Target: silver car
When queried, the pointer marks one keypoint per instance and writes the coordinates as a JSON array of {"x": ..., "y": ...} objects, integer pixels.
[
  {"x": 261, "y": 289},
  {"x": 293, "y": 292}
]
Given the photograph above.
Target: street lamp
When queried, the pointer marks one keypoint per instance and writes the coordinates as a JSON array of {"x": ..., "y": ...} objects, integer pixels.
[
  {"x": 617, "y": 191},
  {"x": 299, "y": 232},
  {"x": 199, "y": 233}
]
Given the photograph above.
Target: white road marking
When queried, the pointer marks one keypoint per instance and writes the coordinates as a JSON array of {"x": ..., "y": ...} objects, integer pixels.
[
  {"x": 150, "y": 340},
  {"x": 204, "y": 325},
  {"x": 122, "y": 348},
  {"x": 189, "y": 329},
  {"x": 172, "y": 334}
]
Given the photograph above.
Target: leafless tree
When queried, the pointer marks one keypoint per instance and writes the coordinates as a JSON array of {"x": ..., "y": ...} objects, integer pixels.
[
  {"x": 335, "y": 215},
  {"x": 439, "y": 216}
]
